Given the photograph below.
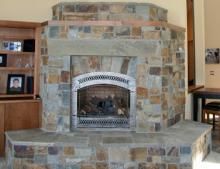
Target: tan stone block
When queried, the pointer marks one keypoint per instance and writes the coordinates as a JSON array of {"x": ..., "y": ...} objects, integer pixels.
[
  {"x": 68, "y": 151},
  {"x": 117, "y": 8},
  {"x": 154, "y": 91},
  {"x": 93, "y": 62},
  {"x": 17, "y": 163},
  {"x": 44, "y": 60},
  {"x": 141, "y": 75},
  {"x": 58, "y": 63},
  {"x": 142, "y": 93},
  {"x": 165, "y": 71},
  {"x": 138, "y": 154},
  {"x": 101, "y": 166},
  {"x": 98, "y": 29},
  {"x": 165, "y": 52},
  {"x": 153, "y": 13},
  {"x": 43, "y": 43},
  {"x": 119, "y": 154},
  {"x": 51, "y": 127},
  {"x": 155, "y": 35},
  {"x": 41, "y": 150},
  {"x": 63, "y": 35},
  {"x": 87, "y": 166},
  {"x": 155, "y": 99},
  {"x": 34, "y": 166},
  {"x": 52, "y": 78},
  {"x": 181, "y": 100},
  {"x": 101, "y": 154}
]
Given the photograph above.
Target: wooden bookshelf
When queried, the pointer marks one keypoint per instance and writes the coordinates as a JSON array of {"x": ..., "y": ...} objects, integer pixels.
[{"x": 19, "y": 111}]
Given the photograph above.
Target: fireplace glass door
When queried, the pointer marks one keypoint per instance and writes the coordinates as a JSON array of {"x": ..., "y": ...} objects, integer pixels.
[{"x": 103, "y": 106}]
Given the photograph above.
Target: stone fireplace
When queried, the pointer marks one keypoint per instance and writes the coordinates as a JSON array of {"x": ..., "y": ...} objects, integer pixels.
[
  {"x": 133, "y": 41},
  {"x": 112, "y": 84}
]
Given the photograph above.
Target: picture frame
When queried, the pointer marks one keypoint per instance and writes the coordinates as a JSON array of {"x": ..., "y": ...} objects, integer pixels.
[
  {"x": 3, "y": 60},
  {"x": 15, "y": 83},
  {"x": 212, "y": 56},
  {"x": 12, "y": 45}
]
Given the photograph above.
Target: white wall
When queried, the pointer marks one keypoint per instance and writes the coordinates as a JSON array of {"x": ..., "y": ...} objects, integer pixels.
[{"x": 212, "y": 40}]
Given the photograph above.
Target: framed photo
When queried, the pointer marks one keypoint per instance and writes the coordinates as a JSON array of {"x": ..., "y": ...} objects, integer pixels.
[
  {"x": 15, "y": 83},
  {"x": 12, "y": 45},
  {"x": 212, "y": 56},
  {"x": 3, "y": 60}
]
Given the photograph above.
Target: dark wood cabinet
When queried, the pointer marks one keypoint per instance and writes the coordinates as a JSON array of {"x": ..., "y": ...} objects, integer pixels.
[{"x": 17, "y": 115}]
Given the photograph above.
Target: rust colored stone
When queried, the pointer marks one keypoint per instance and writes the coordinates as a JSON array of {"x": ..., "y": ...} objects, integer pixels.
[
  {"x": 142, "y": 93},
  {"x": 155, "y": 99},
  {"x": 136, "y": 31},
  {"x": 65, "y": 76},
  {"x": 172, "y": 166},
  {"x": 93, "y": 62}
]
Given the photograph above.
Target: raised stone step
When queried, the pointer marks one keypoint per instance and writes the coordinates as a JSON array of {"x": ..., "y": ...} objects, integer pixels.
[
  {"x": 181, "y": 146},
  {"x": 109, "y": 11}
]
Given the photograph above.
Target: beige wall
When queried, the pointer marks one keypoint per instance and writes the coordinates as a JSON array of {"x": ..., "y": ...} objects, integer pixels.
[
  {"x": 212, "y": 40},
  {"x": 40, "y": 10}
]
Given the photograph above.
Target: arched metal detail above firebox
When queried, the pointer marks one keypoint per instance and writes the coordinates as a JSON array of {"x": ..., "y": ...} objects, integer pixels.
[{"x": 103, "y": 78}]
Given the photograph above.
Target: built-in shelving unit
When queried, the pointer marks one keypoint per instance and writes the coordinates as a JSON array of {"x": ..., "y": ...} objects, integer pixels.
[
  {"x": 19, "y": 60},
  {"x": 19, "y": 110}
]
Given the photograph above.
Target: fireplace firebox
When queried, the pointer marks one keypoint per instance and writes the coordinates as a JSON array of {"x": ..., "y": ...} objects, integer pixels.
[{"x": 103, "y": 100}]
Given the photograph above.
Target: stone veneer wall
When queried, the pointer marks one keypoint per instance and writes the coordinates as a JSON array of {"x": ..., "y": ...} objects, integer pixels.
[
  {"x": 157, "y": 47},
  {"x": 36, "y": 149}
]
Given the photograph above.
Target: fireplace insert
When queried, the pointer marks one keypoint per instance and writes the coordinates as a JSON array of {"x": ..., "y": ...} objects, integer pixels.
[{"x": 103, "y": 100}]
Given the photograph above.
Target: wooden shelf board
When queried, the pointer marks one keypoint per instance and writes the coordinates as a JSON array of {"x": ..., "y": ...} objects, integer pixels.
[
  {"x": 16, "y": 52},
  {"x": 15, "y": 38},
  {"x": 19, "y": 24},
  {"x": 16, "y": 69},
  {"x": 192, "y": 88},
  {"x": 2, "y": 95}
]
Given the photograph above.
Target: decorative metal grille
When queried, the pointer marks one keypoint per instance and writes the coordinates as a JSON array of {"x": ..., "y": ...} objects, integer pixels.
[
  {"x": 103, "y": 77},
  {"x": 108, "y": 78},
  {"x": 103, "y": 122}
]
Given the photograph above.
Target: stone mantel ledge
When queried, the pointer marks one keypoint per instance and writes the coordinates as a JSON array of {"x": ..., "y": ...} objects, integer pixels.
[{"x": 134, "y": 23}]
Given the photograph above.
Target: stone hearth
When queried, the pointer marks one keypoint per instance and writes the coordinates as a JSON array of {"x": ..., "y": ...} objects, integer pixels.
[{"x": 182, "y": 146}]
